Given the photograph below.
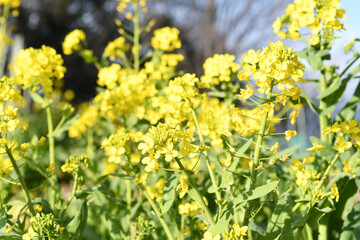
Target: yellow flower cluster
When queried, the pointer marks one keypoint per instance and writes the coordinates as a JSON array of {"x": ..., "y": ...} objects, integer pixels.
[
  {"x": 219, "y": 68},
  {"x": 166, "y": 39},
  {"x": 314, "y": 14},
  {"x": 89, "y": 116},
  {"x": 161, "y": 141},
  {"x": 183, "y": 94},
  {"x": 38, "y": 68},
  {"x": 209, "y": 236},
  {"x": 74, "y": 162},
  {"x": 236, "y": 232},
  {"x": 116, "y": 145},
  {"x": 214, "y": 120},
  {"x": 247, "y": 121},
  {"x": 157, "y": 191},
  {"x": 9, "y": 95},
  {"x": 274, "y": 66},
  {"x": 11, "y": 3},
  {"x": 166, "y": 69},
  {"x": 43, "y": 225},
  {"x": 116, "y": 48},
  {"x": 125, "y": 92},
  {"x": 183, "y": 185},
  {"x": 72, "y": 41},
  {"x": 192, "y": 209},
  {"x": 350, "y": 128}
]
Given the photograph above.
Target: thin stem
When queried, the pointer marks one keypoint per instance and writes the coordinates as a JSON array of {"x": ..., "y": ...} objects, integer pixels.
[
  {"x": 320, "y": 184},
  {"x": 75, "y": 186},
  {"x": 21, "y": 180},
  {"x": 254, "y": 170},
  {"x": 327, "y": 172},
  {"x": 197, "y": 193},
  {"x": 208, "y": 164},
  {"x": 158, "y": 214},
  {"x": 128, "y": 201},
  {"x": 50, "y": 134},
  {"x": 52, "y": 179},
  {"x": 324, "y": 120}
]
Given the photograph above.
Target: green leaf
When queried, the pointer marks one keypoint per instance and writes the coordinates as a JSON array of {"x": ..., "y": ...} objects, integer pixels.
[
  {"x": 328, "y": 153},
  {"x": 256, "y": 193},
  {"x": 348, "y": 112},
  {"x": 347, "y": 193},
  {"x": 330, "y": 90},
  {"x": 114, "y": 226},
  {"x": 37, "y": 98},
  {"x": 280, "y": 222},
  {"x": 238, "y": 154},
  {"x": 2, "y": 220},
  {"x": 77, "y": 225},
  {"x": 352, "y": 223},
  {"x": 66, "y": 126},
  {"x": 315, "y": 57},
  {"x": 328, "y": 110},
  {"x": 258, "y": 227},
  {"x": 315, "y": 214},
  {"x": 224, "y": 220},
  {"x": 169, "y": 193}
]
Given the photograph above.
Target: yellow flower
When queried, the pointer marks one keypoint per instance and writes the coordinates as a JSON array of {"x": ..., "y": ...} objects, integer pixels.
[
  {"x": 274, "y": 148},
  {"x": 166, "y": 39},
  {"x": 209, "y": 236},
  {"x": 246, "y": 94},
  {"x": 316, "y": 146},
  {"x": 293, "y": 116},
  {"x": 35, "y": 68},
  {"x": 183, "y": 185},
  {"x": 347, "y": 168},
  {"x": 24, "y": 146},
  {"x": 42, "y": 141},
  {"x": 341, "y": 145},
  {"x": 314, "y": 40},
  {"x": 334, "y": 192},
  {"x": 289, "y": 134},
  {"x": 73, "y": 41},
  {"x": 219, "y": 68}
]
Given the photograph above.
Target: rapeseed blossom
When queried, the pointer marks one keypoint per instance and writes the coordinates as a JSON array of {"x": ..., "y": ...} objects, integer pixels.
[
  {"x": 219, "y": 68},
  {"x": 317, "y": 15},
  {"x": 73, "y": 41},
  {"x": 37, "y": 69},
  {"x": 166, "y": 39}
]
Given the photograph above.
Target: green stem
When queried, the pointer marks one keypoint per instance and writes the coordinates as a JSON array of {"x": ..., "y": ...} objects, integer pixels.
[
  {"x": 75, "y": 186},
  {"x": 324, "y": 120},
  {"x": 158, "y": 214},
  {"x": 256, "y": 162},
  {"x": 208, "y": 164},
  {"x": 320, "y": 184},
  {"x": 197, "y": 193},
  {"x": 50, "y": 134},
  {"x": 21, "y": 181},
  {"x": 327, "y": 172},
  {"x": 136, "y": 37},
  {"x": 128, "y": 201},
  {"x": 298, "y": 233},
  {"x": 52, "y": 180}
]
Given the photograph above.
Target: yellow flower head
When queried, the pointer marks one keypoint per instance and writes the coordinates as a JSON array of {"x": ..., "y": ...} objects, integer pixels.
[
  {"x": 289, "y": 134},
  {"x": 36, "y": 69},
  {"x": 219, "y": 68},
  {"x": 73, "y": 40},
  {"x": 341, "y": 145},
  {"x": 166, "y": 39}
]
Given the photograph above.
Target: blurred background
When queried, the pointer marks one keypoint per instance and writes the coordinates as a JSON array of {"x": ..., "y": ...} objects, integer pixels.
[{"x": 207, "y": 27}]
